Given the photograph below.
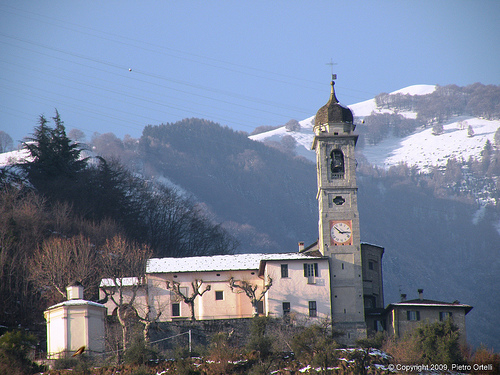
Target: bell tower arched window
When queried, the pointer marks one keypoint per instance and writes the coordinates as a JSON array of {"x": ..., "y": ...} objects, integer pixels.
[{"x": 337, "y": 164}]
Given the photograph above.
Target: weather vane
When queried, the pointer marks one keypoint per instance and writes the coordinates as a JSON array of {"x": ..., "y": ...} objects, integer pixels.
[{"x": 331, "y": 63}]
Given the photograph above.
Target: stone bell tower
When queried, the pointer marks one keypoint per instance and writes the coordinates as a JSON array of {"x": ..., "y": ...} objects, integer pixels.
[{"x": 339, "y": 236}]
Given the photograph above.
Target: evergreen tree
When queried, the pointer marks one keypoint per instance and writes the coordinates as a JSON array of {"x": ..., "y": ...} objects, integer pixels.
[
  {"x": 439, "y": 343},
  {"x": 53, "y": 154},
  {"x": 497, "y": 137},
  {"x": 54, "y": 165}
]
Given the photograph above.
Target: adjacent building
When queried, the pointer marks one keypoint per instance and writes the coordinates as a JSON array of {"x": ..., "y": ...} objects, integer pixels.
[{"x": 404, "y": 316}]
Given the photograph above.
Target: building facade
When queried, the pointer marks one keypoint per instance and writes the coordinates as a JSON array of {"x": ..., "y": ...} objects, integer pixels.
[
  {"x": 299, "y": 287},
  {"x": 75, "y": 324},
  {"x": 404, "y": 316}
]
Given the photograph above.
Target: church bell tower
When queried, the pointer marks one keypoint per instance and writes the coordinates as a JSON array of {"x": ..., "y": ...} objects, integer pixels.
[{"x": 339, "y": 236}]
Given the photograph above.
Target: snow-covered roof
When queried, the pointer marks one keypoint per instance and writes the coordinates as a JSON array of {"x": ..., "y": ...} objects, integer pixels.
[
  {"x": 219, "y": 262},
  {"x": 126, "y": 281},
  {"x": 77, "y": 302}
]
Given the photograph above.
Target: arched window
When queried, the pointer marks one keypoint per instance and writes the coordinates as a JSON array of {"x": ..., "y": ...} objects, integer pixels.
[{"x": 337, "y": 164}]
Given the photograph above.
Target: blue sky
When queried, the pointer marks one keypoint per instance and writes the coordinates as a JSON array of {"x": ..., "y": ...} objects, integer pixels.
[{"x": 239, "y": 63}]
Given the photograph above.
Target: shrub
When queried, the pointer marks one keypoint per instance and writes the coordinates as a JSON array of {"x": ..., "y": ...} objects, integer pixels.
[
  {"x": 258, "y": 340},
  {"x": 139, "y": 353},
  {"x": 15, "y": 347},
  {"x": 316, "y": 345}
]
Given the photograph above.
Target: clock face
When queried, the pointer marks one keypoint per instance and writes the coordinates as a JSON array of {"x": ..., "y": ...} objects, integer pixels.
[{"x": 340, "y": 232}]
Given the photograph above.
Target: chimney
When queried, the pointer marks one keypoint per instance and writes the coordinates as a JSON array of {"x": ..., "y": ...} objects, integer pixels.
[
  {"x": 403, "y": 297},
  {"x": 421, "y": 294},
  {"x": 301, "y": 246},
  {"x": 74, "y": 291}
]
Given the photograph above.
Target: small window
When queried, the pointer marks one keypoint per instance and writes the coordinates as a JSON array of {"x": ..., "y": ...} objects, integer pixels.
[
  {"x": 310, "y": 269},
  {"x": 219, "y": 295},
  {"x": 176, "y": 309},
  {"x": 413, "y": 315},
  {"x": 312, "y": 309},
  {"x": 286, "y": 308},
  {"x": 378, "y": 326},
  {"x": 284, "y": 271},
  {"x": 443, "y": 315},
  {"x": 338, "y": 200},
  {"x": 371, "y": 266}
]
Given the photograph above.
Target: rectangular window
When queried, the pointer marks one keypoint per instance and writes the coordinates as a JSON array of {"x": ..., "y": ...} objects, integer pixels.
[
  {"x": 310, "y": 269},
  {"x": 413, "y": 315},
  {"x": 378, "y": 326},
  {"x": 176, "y": 309},
  {"x": 219, "y": 295},
  {"x": 443, "y": 315},
  {"x": 286, "y": 308},
  {"x": 371, "y": 266},
  {"x": 312, "y": 309},
  {"x": 284, "y": 271}
]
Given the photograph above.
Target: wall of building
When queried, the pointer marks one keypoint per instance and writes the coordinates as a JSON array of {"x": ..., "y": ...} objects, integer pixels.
[
  {"x": 398, "y": 323},
  {"x": 373, "y": 288},
  {"x": 74, "y": 324},
  {"x": 297, "y": 289},
  {"x": 234, "y": 303}
]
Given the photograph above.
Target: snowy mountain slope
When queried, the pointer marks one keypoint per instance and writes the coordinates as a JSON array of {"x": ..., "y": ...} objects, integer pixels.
[
  {"x": 12, "y": 157},
  {"x": 421, "y": 149},
  {"x": 426, "y": 150}
]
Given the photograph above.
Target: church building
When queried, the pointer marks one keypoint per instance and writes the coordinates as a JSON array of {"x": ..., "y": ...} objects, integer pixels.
[{"x": 337, "y": 278}]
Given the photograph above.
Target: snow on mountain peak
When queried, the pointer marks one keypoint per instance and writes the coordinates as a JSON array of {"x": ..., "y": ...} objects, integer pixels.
[
  {"x": 422, "y": 149},
  {"x": 416, "y": 90}
]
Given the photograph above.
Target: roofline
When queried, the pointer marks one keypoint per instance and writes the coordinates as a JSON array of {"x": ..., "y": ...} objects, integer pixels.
[
  {"x": 285, "y": 256},
  {"x": 429, "y": 304},
  {"x": 372, "y": 244}
]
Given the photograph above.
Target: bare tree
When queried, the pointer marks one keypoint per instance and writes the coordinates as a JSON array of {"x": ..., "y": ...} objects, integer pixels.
[
  {"x": 76, "y": 135},
  {"x": 59, "y": 261},
  {"x": 149, "y": 313},
  {"x": 251, "y": 291},
  {"x": 6, "y": 142},
  {"x": 124, "y": 266},
  {"x": 189, "y": 300}
]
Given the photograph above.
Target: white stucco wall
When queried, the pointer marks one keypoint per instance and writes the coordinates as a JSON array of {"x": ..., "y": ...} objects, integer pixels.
[
  {"x": 297, "y": 290},
  {"x": 73, "y": 324}
]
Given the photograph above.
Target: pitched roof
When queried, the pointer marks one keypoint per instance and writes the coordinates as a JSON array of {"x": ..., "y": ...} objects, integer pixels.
[
  {"x": 76, "y": 302},
  {"x": 219, "y": 262},
  {"x": 430, "y": 303}
]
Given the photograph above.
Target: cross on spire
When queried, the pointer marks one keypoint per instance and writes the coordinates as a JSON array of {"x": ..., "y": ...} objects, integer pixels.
[{"x": 331, "y": 63}]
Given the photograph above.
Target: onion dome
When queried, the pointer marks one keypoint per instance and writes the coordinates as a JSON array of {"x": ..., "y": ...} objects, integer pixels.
[{"x": 333, "y": 112}]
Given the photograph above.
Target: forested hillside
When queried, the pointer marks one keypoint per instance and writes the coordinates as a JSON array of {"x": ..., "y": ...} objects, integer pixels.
[
  {"x": 433, "y": 109},
  {"x": 65, "y": 216},
  {"x": 264, "y": 196}
]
